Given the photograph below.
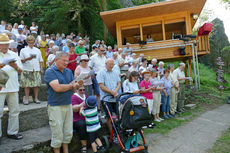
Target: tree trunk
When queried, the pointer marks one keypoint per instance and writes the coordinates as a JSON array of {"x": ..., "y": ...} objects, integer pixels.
[{"x": 105, "y": 30}]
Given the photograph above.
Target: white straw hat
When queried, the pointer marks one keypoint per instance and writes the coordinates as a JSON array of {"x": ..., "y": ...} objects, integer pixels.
[{"x": 4, "y": 39}]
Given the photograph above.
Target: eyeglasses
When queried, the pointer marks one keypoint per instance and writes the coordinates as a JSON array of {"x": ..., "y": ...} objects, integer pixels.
[
  {"x": 81, "y": 90},
  {"x": 102, "y": 50}
]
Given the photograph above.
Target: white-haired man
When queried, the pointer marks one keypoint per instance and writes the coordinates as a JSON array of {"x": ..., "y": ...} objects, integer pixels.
[
  {"x": 180, "y": 76},
  {"x": 109, "y": 52},
  {"x": 161, "y": 69}
]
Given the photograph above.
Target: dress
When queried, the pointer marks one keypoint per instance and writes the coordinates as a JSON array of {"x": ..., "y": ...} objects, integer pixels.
[{"x": 43, "y": 52}]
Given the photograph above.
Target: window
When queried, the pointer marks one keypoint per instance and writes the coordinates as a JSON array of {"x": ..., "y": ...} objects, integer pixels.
[
  {"x": 130, "y": 34},
  {"x": 176, "y": 28},
  {"x": 154, "y": 30}
]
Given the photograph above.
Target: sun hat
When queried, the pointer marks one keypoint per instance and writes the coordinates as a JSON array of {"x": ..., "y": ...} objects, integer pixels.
[
  {"x": 84, "y": 57},
  {"x": 91, "y": 102},
  {"x": 3, "y": 78},
  {"x": 51, "y": 42},
  {"x": 4, "y": 39},
  {"x": 154, "y": 60},
  {"x": 145, "y": 72}
]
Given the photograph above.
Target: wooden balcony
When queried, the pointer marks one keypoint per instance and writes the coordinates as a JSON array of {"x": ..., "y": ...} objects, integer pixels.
[{"x": 168, "y": 50}]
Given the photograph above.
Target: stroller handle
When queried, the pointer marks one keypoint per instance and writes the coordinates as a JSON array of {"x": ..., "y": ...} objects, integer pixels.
[{"x": 122, "y": 94}]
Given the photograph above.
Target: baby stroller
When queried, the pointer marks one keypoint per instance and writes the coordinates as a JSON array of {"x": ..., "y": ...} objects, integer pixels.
[{"x": 132, "y": 114}]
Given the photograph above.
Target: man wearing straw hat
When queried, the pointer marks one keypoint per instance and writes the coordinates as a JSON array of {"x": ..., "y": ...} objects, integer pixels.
[{"x": 11, "y": 64}]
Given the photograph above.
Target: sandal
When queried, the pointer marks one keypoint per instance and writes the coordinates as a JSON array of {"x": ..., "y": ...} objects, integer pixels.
[
  {"x": 83, "y": 149},
  {"x": 15, "y": 136}
]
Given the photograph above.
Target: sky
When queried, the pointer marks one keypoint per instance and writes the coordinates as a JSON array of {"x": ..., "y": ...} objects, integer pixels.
[{"x": 220, "y": 11}]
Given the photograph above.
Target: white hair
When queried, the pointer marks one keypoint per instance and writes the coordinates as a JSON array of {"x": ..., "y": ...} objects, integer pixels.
[
  {"x": 55, "y": 47},
  {"x": 154, "y": 60},
  {"x": 181, "y": 64},
  {"x": 109, "y": 47},
  {"x": 109, "y": 59},
  {"x": 161, "y": 63},
  {"x": 120, "y": 49}
]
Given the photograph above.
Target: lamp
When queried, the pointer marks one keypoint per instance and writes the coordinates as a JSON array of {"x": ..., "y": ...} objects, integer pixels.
[{"x": 195, "y": 16}]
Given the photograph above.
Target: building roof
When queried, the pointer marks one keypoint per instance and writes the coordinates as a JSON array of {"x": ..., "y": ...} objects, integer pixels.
[{"x": 154, "y": 9}]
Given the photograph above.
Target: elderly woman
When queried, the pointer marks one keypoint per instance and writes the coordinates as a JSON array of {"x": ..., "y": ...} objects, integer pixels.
[
  {"x": 165, "y": 95},
  {"x": 51, "y": 44},
  {"x": 134, "y": 66},
  {"x": 84, "y": 68},
  {"x": 52, "y": 55},
  {"x": 143, "y": 66},
  {"x": 155, "y": 81},
  {"x": 79, "y": 123},
  {"x": 147, "y": 90},
  {"x": 161, "y": 69},
  {"x": 15, "y": 29},
  {"x": 174, "y": 91},
  {"x": 32, "y": 67},
  {"x": 131, "y": 84},
  {"x": 72, "y": 58},
  {"x": 43, "y": 46}
]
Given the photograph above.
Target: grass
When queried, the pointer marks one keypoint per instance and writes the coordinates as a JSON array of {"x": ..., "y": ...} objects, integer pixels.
[{"x": 222, "y": 145}]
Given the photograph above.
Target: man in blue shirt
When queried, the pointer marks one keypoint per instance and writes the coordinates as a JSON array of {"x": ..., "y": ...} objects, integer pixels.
[{"x": 60, "y": 83}]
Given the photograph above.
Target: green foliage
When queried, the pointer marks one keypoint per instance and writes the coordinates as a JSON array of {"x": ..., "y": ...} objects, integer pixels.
[
  {"x": 6, "y": 8},
  {"x": 226, "y": 58}
]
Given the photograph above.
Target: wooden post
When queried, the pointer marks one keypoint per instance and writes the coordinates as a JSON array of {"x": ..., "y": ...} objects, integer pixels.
[
  {"x": 141, "y": 32},
  {"x": 186, "y": 70},
  {"x": 163, "y": 30},
  {"x": 119, "y": 36},
  {"x": 190, "y": 68}
]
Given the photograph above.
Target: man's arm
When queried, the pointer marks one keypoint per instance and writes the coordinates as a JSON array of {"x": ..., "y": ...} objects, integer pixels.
[
  {"x": 118, "y": 86},
  {"x": 61, "y": 87},
  {"x": 105, "y": 89}
]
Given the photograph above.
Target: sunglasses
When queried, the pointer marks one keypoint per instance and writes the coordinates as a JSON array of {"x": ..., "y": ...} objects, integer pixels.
[
  {"x": 102, "y": 50},
  {"x": 81, "y": 90},
  {"x": 85, "y": 60}
]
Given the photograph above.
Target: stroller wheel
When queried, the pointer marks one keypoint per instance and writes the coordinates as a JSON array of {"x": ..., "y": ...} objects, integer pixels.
[{"x": 105, "y": 142}]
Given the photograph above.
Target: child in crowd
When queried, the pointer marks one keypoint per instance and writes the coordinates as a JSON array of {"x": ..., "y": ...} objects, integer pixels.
[{"x": 92, "y": 123}]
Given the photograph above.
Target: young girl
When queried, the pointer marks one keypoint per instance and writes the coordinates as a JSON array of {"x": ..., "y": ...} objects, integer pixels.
[
  {"x": 72, "y": 58},
  {"x": 147, "y": 91},
  {"x": 92, "y": 123}
]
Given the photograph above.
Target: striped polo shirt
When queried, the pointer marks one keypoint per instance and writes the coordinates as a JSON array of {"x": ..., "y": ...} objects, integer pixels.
[{"x": 91, "y": 118}]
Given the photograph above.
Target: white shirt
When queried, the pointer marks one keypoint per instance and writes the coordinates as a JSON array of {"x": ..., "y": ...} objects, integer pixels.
[
  {"x": 178, "y": 74},
  {"x": 50, "y": 58},
  {"x": 2, "y": 28},
  {"x": 12, "y": 84},
  {"x": 130, "y": 86},
  {"x": 34, "y": 64},
  {"x": 15, "y": 31},
  {"x": 174, "y": 79},
  {"x": 33, "y": 28},
  {"x": 20, "y": 37},
  {"x": 97, "y": 62}
]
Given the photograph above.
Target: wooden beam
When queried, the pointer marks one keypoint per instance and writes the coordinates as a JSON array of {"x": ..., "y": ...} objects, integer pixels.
[
  {"x": 141, "y": 32},
  {"x": 119, "y": 36},
  {"x": 188, "y": 23},
  {"x": 163, "y": 30}
]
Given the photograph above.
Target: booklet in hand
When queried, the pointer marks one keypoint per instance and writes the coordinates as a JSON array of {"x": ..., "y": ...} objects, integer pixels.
[
  {"x": 82, "y": 76},
  {"x": 33, "y": 55},
  {"x": 9, "y": 60}
]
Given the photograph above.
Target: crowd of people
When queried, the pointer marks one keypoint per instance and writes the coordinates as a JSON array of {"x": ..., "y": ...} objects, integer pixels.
[{"x": 78, "y": 77}]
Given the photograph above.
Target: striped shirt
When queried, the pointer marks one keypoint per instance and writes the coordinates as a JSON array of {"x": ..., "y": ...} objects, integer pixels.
[{"x": 91, "y": 118}]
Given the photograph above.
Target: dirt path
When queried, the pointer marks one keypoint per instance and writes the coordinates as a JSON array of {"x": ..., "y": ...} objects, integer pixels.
[{"x": 194, "y": 137}]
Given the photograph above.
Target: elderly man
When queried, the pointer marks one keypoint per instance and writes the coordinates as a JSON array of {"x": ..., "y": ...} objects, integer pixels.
[
  {"x": 180, "y": 76},
  {"x": 60, "y": 83},
  {"x": 80, "y": 49},
  {"x": 97, "y": 63},
  {"x": 109, "y": 52},
  {"x": 128, "y": 49},
  {"x": 11, "y": 64},
  {"x": 2, "y": 26},
  {"x": 110, "y": 83}
]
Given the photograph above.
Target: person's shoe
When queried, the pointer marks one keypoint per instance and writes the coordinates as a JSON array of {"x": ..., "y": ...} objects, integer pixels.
[
  {"x": 170, "y": 116},
  {"x": 165, "y": 117},
  {"x": 37, "y": 101},
  {"x": 15, "y": 136},
  {"x": 174, "y": 115},
  {"x": 161, "y": 119},
  {"x": 101, "y": 149},
  {"x": 157, "y": 120},
  {"x": 144, "y": 127},
  {"x": 26, "y": 102},
  {"x": 183, "y": 109}
]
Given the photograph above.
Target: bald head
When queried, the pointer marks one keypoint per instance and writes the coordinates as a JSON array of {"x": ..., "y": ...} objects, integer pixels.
[
  {"x": 182, "y": 66},
  {"x": 109, "y": 64}
]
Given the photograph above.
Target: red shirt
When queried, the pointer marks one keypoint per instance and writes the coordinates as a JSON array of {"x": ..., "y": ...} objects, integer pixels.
[
  {"x": 72, "y": 66},
  {"x": 76, "y": 101}
]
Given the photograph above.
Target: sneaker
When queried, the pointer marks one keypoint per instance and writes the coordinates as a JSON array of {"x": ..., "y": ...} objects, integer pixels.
[
  {"x": 101, "y": 149},
  {"x": 165, "y": 117},
  {"x": 144, "y": 127},
  {"x": 170, "y": 116},
  {"x": 37, "y": 101},
  {"x": 161, "y": 119},
  {"x": 174, "y": 115},
  {"x": 157, "y": 120},
  {"x": 26, "y": 102},
  {"x": 150, "y": 126}
]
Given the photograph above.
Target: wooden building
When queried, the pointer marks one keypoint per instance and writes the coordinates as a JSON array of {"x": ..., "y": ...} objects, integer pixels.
[{"x": 162, "y": 21}]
